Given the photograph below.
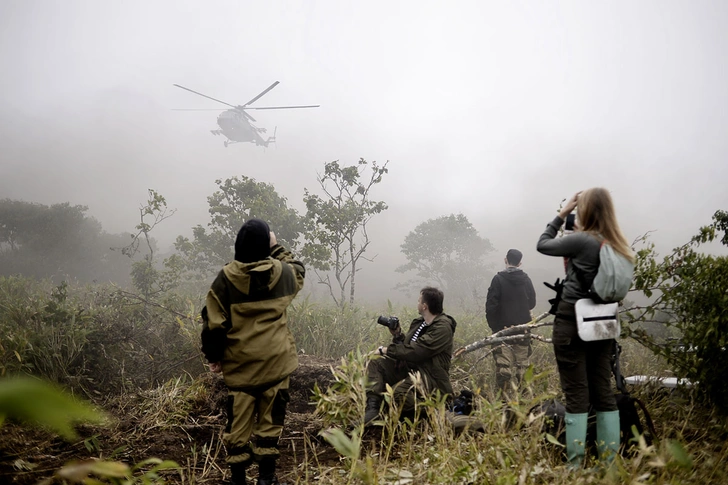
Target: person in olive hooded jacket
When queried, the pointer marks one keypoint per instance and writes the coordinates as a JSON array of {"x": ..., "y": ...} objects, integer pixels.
[
  {"x": 509, "y": 302},
  {"x": 427, "y": 348},
  {"x": 246, "y": 337}
]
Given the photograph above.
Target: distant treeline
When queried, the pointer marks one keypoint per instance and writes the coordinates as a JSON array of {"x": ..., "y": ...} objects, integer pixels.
[{"x": 60, "y": 242}]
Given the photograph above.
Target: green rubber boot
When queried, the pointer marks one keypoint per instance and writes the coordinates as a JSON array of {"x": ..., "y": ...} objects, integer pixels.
[
  {"x": 608, "y": 435},
  {"x": 575, "y": 439}
]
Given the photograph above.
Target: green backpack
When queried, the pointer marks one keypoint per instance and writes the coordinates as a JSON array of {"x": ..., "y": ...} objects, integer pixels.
[{"x": 614, "y": 276}]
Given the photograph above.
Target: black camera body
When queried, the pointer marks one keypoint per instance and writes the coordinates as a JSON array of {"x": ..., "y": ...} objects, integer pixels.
[
  {"x": 569, "y": 224},
  {"x": 390, "y": 322}
]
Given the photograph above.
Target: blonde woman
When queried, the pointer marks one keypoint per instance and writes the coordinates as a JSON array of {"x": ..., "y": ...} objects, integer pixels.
[{"x": 584, "y": 367}]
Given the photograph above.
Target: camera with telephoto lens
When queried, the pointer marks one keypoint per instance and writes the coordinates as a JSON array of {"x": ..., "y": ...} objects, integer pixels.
[
  {"x": 390, "y": 322},
  {"x": 569, "y": 224}
]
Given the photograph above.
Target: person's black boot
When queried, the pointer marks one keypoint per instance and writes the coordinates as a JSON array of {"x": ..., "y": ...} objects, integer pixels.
[
  {"x": 238, "y": 473},
  {"x": 372, "y": 410},
  {"x": 267, "y": 472}
]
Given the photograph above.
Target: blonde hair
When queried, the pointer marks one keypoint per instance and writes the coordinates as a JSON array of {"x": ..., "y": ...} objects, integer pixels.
[{"x": 596, "y": 216}]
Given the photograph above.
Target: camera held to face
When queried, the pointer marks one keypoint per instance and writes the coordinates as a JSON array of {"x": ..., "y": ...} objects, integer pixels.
[
  {"x": 390, "y": 322},
  {"x": 570, "y": 222}
]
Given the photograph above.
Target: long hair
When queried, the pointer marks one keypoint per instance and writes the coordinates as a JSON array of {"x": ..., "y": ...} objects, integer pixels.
[{"x": 596, "y": 216}]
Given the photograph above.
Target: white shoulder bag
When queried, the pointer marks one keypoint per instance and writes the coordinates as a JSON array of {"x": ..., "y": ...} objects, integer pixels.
[{"x": 597, "y": 321}]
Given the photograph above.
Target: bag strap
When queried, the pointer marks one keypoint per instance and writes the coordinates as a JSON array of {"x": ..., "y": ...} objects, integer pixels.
[
  {"x": 648, "y": 418},
  {"x": 617, "y": 371}
]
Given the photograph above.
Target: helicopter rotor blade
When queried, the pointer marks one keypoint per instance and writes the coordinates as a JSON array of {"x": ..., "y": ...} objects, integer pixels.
[
  {"x": 248, "y": 116},
  {"x": 283, "y": 107},
  {"x": 198, "y": 109},
  {"x": 262, "y": 94},
  {"x": 205, "y": 96}
]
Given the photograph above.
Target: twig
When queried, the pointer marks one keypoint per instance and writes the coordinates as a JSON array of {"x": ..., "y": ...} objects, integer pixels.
[
  {"x": 151, "y": 303},
  {"x": 510, "y": 334}
]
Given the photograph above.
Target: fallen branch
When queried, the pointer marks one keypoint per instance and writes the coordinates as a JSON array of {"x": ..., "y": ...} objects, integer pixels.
[{"x": 515, "y": 333}]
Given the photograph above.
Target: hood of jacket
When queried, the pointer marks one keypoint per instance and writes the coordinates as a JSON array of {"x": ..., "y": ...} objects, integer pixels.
[
  {"x": 514, "y": 276},
  {"x": 256, "y": 276},
  {"x": 452, "y": 322}
]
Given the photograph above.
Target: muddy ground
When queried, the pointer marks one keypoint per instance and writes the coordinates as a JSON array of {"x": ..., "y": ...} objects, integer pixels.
[{"x": 141, "y": 430}]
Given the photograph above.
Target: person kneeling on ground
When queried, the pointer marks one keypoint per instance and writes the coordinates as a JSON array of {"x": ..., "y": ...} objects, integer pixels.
[{"x": 427, "y": 347}]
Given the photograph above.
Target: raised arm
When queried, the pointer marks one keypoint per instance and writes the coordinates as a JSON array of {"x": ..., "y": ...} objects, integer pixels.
[
  {"x": 567, "y": 246},
  {"x": 282, "y": 254}
]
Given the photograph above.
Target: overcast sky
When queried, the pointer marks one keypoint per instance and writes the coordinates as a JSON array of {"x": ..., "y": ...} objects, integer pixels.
[{"x": 498, "y": 110}]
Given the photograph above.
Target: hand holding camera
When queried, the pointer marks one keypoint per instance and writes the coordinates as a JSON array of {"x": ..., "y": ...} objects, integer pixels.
[
  {"x": 569, "y": 206},
  {"x": 392, "y": 323}
]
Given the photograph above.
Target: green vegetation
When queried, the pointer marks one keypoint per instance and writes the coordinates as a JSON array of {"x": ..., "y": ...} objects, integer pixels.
[
  {"x": 59, "y": 242},
  {"x": 690, "y": 292},
  {"x": 237, "y": 200},
  {"x": 36, "y": 402},
  {"x": 134, "y": 351},
  {"x": 336, "y": 230},
  {"x": 429, "y": 451},
  {"x": 145, "y": 275},
  {"x": 95, "y": 339},
  {"x": 690, "y": 447}
]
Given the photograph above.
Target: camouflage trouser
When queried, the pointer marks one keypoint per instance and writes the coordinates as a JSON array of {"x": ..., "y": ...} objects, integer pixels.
[
  {"x": 255, "y": 422},
  {"x": 510, "y": 362}
]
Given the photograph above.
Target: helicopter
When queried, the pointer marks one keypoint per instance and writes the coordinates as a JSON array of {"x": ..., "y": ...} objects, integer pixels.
[{"x": 236, "y": 124}]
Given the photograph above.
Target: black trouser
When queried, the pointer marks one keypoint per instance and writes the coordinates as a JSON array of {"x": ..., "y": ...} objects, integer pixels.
[{"x": 585, "y": 368}]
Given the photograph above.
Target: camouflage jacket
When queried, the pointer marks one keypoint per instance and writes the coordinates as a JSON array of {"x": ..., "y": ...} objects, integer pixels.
[{"x": 245, "y": 321}]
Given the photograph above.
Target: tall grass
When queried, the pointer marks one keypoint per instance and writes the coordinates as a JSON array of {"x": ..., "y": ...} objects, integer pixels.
[
  {"x": 102, "y": 340},
  {"x": 504, "y": 451},
  {"x": 95, "y": 339}
]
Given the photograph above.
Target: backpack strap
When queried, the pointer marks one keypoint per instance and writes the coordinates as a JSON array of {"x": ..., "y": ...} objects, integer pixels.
[{"x": 581, "y": 275}]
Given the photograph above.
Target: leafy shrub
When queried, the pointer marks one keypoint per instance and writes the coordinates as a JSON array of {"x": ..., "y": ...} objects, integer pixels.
[
  {"x": 690, "y": 298},
  {"x": 97, "y": 339}
]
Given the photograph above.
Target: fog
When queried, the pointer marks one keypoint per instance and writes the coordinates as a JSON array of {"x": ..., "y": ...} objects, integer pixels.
[{"x": 497, "y": 110}]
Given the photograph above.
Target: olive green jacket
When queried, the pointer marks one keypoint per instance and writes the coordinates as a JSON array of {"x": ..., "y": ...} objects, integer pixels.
[
  {"x": 245, "y": 321},
  {"x": 431, "y": 353}
]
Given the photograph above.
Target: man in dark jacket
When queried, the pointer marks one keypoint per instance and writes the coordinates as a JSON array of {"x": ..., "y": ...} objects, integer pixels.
[
  {"x": 245, "y": 336},
  {"x": 510, "y": 299},
  {"x": 426, "y": 348}
]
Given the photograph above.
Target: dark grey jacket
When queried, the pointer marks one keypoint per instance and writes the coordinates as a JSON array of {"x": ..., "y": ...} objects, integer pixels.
[
  {"x": 581, "y": 253},
  {"x": 510, "y": 298}
]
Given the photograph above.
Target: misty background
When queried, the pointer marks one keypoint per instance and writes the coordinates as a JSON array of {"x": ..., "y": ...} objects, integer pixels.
[{"x": 494, "y": 110}]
